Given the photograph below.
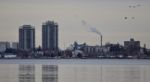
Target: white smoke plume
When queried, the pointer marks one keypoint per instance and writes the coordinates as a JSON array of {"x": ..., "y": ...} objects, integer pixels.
[
  {"x": 92, "y": 29},
  {"x": 95, "y": 31}
]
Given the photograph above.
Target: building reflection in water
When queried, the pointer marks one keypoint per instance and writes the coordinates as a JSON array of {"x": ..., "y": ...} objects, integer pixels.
[
  {"x": 26, "y": 73},
  {"x": 49, "y": 73},
  {"x": 74, "y": 73}
]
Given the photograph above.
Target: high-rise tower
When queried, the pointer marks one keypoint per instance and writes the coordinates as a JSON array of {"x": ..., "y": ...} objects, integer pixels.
[
  {"x": 26, "y": 37},
  {"x": 49, "y": 35}
]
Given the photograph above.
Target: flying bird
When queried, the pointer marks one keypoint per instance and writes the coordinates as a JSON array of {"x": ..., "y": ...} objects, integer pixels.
[{"x": 125, "y": 17}]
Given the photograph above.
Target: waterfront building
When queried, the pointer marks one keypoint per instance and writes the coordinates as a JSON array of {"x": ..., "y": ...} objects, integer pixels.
[
  {"x": 95, "y": 51},
  {"x": 132, "y": 43},
  {"x": 90, "y": 51},
  {"x": 49, "y": 35},
  {"x": 26, "y": 37},
  {"x": 132, "y": 47},
  {"x": 4, "y": 46},
  {"x": 15, "y": 45}
]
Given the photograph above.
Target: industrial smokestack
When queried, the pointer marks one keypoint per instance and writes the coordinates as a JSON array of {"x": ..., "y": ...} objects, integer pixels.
[{"x": 101, "y": 40}]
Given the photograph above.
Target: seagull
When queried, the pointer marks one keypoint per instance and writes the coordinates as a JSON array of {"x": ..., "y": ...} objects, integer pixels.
[
  {"x": 125, "y": 17},
  {"x": 130, "y": 6},
  {"x": 133, "y": 17},
  {"x": 138, "y": 5}
]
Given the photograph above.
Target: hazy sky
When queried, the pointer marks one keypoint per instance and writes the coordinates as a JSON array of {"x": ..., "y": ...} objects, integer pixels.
[{"x": 105, "y": 15}]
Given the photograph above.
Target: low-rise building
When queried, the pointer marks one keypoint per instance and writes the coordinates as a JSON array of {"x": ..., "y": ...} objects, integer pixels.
[
  {"x": 15, "y": 45},
  {"x": 95, "y": 51},
  {"x": 4, "y": 46}
]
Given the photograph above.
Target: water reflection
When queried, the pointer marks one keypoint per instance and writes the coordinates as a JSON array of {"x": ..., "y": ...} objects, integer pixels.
[
  {"x": 26, "y": 73},
  {"x": 79, "y": 73},
  {"x": 49, "y": 73},
  {"x": 74, "y": 73}
]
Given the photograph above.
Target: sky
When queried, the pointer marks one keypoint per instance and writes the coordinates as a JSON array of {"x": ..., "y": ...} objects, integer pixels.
[{"x": 117, "y": 20}]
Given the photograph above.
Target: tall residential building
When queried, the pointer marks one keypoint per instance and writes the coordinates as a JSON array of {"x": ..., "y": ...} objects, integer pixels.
[
  {"x": 26, "y": 37},
  {"x": 49, "y": 35}
]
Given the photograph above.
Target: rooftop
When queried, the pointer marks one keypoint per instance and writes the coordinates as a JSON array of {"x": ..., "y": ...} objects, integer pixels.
[
  {"x": 26, "y": 27},
  {"x": 50, "y": 23}
]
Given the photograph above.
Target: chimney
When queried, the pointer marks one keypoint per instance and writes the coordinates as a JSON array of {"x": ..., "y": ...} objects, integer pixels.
[{"x": 101, "y": 37}]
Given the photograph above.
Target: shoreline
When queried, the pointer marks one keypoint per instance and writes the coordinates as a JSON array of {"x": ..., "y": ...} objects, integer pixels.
[{"x": 77, "y": 61}]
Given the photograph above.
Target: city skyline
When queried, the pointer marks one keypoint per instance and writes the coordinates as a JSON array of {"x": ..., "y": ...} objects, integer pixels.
[{"x": 115, "y": 19}]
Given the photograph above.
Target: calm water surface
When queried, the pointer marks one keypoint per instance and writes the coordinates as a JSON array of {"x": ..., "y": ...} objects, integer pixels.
[{"x": 74, "y": 70}]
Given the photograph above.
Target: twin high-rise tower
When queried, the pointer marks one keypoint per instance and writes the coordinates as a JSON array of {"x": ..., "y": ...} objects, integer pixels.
[
  {"x": 26, "y": 37},
  {"x": 49, "y": 36}
]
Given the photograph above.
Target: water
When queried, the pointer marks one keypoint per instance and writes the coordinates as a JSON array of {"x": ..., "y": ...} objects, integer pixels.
[{"x": 74, "y": 70}]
